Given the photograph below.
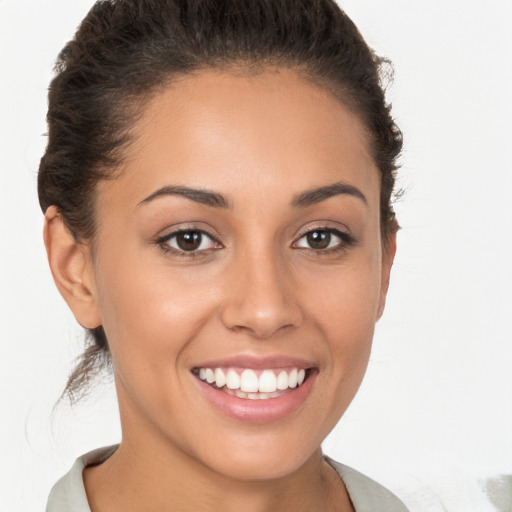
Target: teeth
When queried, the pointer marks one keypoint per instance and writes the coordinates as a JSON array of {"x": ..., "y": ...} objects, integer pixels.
[
  {"x": 220, "y": 378},
  {"x": 292, "y": 378},
  {"x": 282, "y": 380},
  {"x": 232, "y": 380},
  {"x": 210, "y": 376},
  {"x": 249, "y": 382},
  {"x": 250, "y": 385},
  {"x": 268, "y": 382}
]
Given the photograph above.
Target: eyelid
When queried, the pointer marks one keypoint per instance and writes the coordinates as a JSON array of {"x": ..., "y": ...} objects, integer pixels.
[
  {"x": 346, "y": 238},
  {"x": 163, "y": 241},
  {"x": 321, "y": 224}
]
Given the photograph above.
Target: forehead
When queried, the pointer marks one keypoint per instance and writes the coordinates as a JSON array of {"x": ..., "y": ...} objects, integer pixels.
[{"x": 271, "y": 130}]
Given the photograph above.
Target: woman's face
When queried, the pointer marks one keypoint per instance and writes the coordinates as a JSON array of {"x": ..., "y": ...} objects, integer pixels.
[{"x": 240, "y": 242}]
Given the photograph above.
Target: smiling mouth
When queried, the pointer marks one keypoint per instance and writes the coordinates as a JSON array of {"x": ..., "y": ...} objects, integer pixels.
[{"x": 253, "y": 384}]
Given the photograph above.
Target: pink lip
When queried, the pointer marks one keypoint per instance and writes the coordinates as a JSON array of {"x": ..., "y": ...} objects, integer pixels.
[
  {"x": 257, "y": 411},
  {"x": 257, "y": 363}
]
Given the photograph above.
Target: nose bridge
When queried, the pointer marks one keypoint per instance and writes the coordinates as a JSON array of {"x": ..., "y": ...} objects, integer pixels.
[{"x": 260, "y": 299}]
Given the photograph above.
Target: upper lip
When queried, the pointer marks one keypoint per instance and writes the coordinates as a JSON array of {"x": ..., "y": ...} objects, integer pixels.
[{"x": 257, "y": 362}]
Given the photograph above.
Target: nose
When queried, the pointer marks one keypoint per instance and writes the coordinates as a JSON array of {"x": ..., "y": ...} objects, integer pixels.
[{"x": 261, "y": 299}]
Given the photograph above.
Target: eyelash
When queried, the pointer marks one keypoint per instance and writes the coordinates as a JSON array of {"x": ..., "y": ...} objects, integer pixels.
[
  {"x": 163, "y": 242},
  {"x": 346, "y": 241}
]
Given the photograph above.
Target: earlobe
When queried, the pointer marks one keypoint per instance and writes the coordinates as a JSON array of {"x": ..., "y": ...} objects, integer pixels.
[
  {"x": 388, "y": 256},
  {"x": 72, "y": 270}
]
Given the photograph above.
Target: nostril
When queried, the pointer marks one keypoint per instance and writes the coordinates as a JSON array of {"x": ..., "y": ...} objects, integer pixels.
[
  {"x": 261, "y": 321},
  {"x": 262, "y": 329}
]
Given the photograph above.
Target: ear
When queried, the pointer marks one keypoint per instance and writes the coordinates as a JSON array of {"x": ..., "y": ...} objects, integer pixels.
[
  {"x": 72, "y": 269},
  {"x": 388, "y": 256}
]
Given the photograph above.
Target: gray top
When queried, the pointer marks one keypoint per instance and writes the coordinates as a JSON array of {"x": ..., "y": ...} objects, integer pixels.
[{"x": 68, "y": 494}]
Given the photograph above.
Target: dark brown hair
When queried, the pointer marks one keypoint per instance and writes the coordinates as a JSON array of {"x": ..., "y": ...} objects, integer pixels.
[{"x": 126, "y": 50}]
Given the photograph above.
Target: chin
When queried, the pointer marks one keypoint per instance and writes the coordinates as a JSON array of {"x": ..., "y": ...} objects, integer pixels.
[{"x": 264, "y": 465}]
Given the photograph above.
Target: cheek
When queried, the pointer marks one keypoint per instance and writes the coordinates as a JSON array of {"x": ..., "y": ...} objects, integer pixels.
[
  {"x": 146, "y": 306},
  {"x": 345, "y": 309}
]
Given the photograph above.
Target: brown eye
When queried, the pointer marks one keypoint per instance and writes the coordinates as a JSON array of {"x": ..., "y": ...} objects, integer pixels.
[
  {"x": 189, "y": 241},
  {"x": 319, "y": 239},
  {"x": 324, "y": 239}
]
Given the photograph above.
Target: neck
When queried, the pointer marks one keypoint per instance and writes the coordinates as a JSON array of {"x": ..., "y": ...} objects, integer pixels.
[
  {"x": 144, "y": 477},
  {"x": 151, "y": 471}
]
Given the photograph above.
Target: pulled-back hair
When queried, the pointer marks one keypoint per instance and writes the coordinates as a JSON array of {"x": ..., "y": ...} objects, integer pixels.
[{"x": 127, "y": 50}]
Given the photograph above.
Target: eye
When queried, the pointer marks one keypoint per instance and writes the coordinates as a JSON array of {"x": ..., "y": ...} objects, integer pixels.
[
  {"x": 323, "y": 239},
  {"x": 188, "y": 241}
]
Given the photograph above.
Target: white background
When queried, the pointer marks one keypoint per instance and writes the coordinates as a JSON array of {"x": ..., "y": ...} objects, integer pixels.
[{"x": 438, "y": 393}]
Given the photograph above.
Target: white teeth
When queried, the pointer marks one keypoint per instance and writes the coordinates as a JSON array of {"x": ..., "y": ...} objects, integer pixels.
[
  {"x": 210, "y": 376},
  {"x": 292, "y": 378},
  {"x": 220, "y": 378},
  {"x": 268, "y": 382},
  {"x": 232, "y": 380},
  {"x": 249, "y": 381},
  {"x": 282, "y": 380},
  {"x": 250, "y": 385}
]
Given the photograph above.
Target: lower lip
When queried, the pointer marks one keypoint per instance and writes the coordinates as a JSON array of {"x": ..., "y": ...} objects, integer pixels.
[{"x": 258, "y": 411}]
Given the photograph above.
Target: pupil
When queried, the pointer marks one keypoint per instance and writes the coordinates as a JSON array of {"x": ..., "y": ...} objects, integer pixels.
[
  {"x": 188, "y": 240},
  {"x": 319, "y": 239}
]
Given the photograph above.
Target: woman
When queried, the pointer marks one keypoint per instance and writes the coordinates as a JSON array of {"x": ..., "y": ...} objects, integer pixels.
[{"x": 216, "y": 190}]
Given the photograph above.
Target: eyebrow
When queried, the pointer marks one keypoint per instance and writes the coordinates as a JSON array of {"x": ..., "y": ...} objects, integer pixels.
[
  {"x": 202, "y": 196},
  {"x": 316, "y": 195},
  {"x": 217, "y": 200}
]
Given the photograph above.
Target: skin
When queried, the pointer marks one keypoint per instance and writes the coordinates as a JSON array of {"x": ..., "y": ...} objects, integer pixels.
[{"x": 261, "y": 141}]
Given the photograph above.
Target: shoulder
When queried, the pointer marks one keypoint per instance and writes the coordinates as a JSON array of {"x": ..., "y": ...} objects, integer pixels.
[
  {"x": 440, "y": 491},
  {"x": 68, "y": 494},
  {"x": 366, "y": 494}
]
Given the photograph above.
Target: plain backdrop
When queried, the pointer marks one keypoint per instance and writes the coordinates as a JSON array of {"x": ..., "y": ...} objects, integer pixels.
[{"x": 436, "y": 404}]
